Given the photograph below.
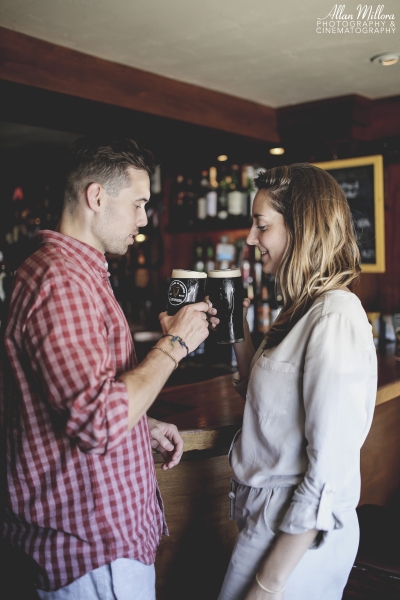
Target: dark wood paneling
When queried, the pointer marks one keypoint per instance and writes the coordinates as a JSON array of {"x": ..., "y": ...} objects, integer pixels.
[
  {"x": 344, "y": 118},
  {"x": 380, "y": 456},
  {"x": 192, "y": 562},
  {"x": 389, "y": 283},
  {"x": 381, "y": 291},
  {"x": 385, "y": 118},
  {"x": 334, "y": 120},
  {"x": 41, "y": 64}
]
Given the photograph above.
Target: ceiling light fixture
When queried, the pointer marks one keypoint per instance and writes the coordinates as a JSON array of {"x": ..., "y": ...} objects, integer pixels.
[
  {"x": 386, "y": 59},
  {"x": 222, "y": 157},
  {"x": 277, "y": 151}
]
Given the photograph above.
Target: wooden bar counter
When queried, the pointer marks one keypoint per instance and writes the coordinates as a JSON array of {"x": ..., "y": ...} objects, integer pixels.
[{"x": 191, "y": 562}]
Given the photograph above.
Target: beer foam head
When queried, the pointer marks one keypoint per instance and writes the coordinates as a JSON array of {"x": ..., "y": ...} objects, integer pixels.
[
  {"x": 185, "y": 274},
  {"x": 220, "y": 273}
]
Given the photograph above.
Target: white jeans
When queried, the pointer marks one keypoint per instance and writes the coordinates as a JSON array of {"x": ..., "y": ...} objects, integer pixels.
[
  {"x": 123, "y": 579},
  {"x": 323, "y": 571}
]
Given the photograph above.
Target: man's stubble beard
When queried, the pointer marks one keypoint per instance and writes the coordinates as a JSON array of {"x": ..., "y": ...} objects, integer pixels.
[{"x": 110, "y": 242}]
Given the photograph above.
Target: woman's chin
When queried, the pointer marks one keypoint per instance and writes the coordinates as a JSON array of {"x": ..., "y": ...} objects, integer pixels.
[{"x": 268, "y": 269}]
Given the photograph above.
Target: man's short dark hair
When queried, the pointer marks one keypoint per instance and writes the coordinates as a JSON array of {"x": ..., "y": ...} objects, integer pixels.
[{"x": 104, "y": 161}]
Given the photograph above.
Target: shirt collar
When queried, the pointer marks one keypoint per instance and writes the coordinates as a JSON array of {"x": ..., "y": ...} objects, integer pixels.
[{"x": 90, "y": 255}]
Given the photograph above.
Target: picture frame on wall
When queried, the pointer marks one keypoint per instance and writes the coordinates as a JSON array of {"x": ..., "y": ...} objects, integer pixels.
[{"x": 361, "y": 180}]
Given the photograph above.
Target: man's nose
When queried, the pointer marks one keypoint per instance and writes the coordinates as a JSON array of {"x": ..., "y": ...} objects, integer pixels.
[{"x": 142, "y": 220}]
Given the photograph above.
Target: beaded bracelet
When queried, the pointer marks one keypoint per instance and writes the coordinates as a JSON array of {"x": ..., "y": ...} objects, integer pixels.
[
  {"x": 168, "y": 354},
  {"x": 176, "y": 338}
]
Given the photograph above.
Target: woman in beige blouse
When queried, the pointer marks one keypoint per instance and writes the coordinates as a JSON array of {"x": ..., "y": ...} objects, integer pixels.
[{"x": 310, "y": 394}]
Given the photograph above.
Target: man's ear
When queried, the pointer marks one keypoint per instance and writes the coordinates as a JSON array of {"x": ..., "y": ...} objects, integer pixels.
[{"x": 95, "y": 196}]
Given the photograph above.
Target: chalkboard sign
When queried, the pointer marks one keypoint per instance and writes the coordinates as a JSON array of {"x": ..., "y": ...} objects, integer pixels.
[{"x": 361, "y": 180}]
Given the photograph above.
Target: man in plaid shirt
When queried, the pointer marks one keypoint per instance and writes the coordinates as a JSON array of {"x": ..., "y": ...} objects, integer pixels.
[{"x": 83, "y": 504}]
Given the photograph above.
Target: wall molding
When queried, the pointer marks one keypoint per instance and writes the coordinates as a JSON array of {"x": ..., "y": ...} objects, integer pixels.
[{"x": 27, "y": 60}]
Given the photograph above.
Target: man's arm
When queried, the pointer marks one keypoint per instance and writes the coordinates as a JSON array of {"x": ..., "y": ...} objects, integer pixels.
[
  {"x": 145, "y": 381},
  {"x": 66, "y": 343}
]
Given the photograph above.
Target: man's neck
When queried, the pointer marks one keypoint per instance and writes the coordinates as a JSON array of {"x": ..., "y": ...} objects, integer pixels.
[{"x": 74, "y": 227}]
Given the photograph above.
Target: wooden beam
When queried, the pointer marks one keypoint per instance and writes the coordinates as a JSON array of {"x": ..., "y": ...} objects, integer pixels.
[
  {"x": 332, "y": 120},
  {"x": 27, "y": 60},
  {"x": 385, "y": 121},
  {"x": 341, "y": 119}
]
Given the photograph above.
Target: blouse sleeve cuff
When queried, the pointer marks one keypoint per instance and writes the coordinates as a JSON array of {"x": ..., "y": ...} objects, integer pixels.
[
  {"x": 241, "y": 386},
  {"x": 303, "y": 516}
]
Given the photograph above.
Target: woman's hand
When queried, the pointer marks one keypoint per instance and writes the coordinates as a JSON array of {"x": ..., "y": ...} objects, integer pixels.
[
  {"x": 246, "y": 304},
  {"x": 213, "y": 321}
]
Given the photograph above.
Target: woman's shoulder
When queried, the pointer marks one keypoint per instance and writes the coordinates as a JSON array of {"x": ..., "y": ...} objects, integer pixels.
[{"x": 343, "y": 304}]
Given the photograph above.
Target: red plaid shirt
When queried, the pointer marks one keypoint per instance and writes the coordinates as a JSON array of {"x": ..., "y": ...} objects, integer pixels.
[{"x": 82, "y": 490}]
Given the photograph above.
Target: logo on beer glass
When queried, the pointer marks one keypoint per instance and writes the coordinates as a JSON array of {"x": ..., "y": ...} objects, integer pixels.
[{"x": 177, "y": 293}]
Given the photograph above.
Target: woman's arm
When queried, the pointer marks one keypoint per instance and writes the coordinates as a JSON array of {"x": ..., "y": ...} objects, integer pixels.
[
  {"x": 244, "y": 350},
  {"x": 279, "y": 564},
  {"x": 337, "y": 375}
]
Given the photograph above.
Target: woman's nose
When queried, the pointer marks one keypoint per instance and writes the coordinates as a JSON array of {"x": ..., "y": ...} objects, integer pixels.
[{"x": 252, "y": 238}]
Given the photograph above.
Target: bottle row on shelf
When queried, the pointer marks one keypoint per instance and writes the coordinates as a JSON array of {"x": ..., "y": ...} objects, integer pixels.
[{"x": 221, "y": 198}]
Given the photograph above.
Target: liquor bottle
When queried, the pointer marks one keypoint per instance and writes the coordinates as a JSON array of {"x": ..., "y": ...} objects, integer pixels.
[
  {"x": 251, "y": 309},
  {"x": 212, "y": 196},
  {"x": 235, "y": 197},
  {"x": 244, "y": 264},
  {"x": 198, "y": 264},
  {"x": 201, "y": 212},
  {"x": 141, "y": 273},
  {"x": 155, "y": 181},
  {"x": 246, "y": 267},
  {"x": 190, "y": 203},
  {"x": 210, "y": 263},
  {"x": 177, "y": 209},
  {"x": 264, "y": 312},
  {"x": 258, "y": 274},
  {"x": 142, "y": 266},
  {"x": 248, "y": 190},
  {"x": 222, "y": 202},
  {"x": 225, "y": 254}
]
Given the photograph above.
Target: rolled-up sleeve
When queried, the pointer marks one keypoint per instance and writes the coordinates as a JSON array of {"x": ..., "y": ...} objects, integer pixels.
[
  {"x": 337, "y": 371},
  {"x": 66, "y": 341}
]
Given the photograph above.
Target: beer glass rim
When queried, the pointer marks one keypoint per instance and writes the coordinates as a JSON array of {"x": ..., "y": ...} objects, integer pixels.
[
  {"x": 221, "y": 273},
  {"x": 176, "y": 273}
]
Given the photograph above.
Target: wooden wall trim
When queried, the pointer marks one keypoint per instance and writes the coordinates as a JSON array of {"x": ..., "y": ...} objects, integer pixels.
[
  {"x": 342, "y": 118},
  {"x": 27, "y": 60},
  {"x": 385, "y": 117}
]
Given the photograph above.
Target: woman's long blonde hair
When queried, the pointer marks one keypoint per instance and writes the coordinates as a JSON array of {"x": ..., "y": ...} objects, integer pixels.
[{"x": 322, "y": 252}]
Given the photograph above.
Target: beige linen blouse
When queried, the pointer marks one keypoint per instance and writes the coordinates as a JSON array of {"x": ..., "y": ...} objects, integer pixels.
[{"x": 309, "y": 407}]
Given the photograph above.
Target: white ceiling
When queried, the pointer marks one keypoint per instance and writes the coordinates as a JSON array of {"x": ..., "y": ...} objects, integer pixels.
[{"x": 261, "y": 50}]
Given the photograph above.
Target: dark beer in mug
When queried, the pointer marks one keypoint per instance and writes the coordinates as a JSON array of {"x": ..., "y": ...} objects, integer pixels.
[
  {"x": 186, "y": 287},
  {"x": 225, "y": 288}
]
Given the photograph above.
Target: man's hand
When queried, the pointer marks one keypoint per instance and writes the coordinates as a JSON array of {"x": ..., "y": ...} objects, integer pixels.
[
  {"x": 165, "y": 439},
  {"x": 190, "y": 323}
]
